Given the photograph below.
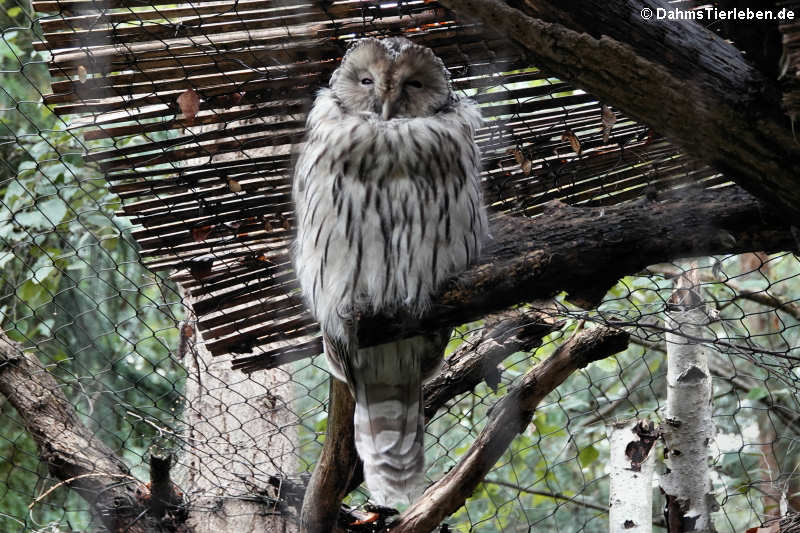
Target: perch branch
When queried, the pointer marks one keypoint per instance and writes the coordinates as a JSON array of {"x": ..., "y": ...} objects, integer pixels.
[
  {"x": 335, "y": 467},
  {"x": 73, "y": 454},
  {"x": 695, "y": 87},
  {"x": 474, "y": 361},
  {"x": 509, "y": 417},
  {"x": 584, "y": 251}
]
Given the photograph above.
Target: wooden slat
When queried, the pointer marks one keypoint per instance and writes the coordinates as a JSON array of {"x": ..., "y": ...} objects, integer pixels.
[
  {"x": 84, "y": 6},
  {"x": 272, "y": 27},
  {"x": 97, "y": 18},
  {"x": 275, "y": 357}
]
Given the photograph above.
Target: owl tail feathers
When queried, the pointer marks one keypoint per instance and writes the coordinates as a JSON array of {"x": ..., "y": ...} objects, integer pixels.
[{"x": 389, "y": 439}]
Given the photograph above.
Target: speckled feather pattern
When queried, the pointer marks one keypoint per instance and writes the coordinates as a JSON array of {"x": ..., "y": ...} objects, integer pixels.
[{"x": 387, "y": 210}]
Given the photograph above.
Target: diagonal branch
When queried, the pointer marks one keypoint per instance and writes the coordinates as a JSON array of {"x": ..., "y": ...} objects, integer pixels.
[
  {"x": 509, "y": 417},
  {"x": 693, "y": 86},
  {"x": 73, "y": 454},
  {"x": 477, "y": 359}
]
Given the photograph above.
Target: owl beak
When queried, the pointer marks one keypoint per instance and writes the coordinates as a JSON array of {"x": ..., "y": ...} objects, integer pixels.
[{"x": 388, "y": 108}]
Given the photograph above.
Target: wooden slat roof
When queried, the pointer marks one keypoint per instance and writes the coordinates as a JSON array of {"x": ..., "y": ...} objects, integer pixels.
[{"x": 211, "y": 196}]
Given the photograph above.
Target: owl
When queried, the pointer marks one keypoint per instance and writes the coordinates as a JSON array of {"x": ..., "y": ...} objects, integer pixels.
[{"x": 388, "y": 206}]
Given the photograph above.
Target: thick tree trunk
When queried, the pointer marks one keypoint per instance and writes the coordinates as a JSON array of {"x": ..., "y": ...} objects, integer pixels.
[
  {"x": 693, "y": 86},
  {"x": 241, "y": 444}
]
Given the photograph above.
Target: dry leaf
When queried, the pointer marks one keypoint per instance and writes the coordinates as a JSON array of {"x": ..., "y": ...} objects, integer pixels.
[
  {"x": 526, "y": 167},
  {"x": 82, "y": 73},
  {"x": 609, "y": 119},
  {"x": 201, "y": 233},
  {"x": 236, "y": 98},
  {"x": 189, "y": 103},
  {"x": 573, "y": 141},
  {"x": 267, "y": 225},
  {"x": 229, "y": 100},
  {"x": 234, "y": 186},
  {"x": 522, "y": 161}
]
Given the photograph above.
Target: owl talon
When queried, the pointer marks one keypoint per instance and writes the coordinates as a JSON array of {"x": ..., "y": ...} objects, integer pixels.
[
  {"x": 373, "y": 518},
  {"x": 369, "y": 519},
  {"x": 380, "y": 509}
]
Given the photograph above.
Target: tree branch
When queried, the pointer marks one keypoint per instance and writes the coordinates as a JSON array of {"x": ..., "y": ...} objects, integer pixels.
[
  {"x": 695, "y": 87},
  {"x": 73, "y": 454},
  {"x": 338, "y": 471},
  {"x": 476, "y": 360},
  {"x": 509, "y": 417},
  {"x": 585, "y": 251},
  {"x": 70, "y": 450},
  {"x": 577, "y": 500},
  {"x": 335, "y": 467},
  {"x": 763, "y": 297}
]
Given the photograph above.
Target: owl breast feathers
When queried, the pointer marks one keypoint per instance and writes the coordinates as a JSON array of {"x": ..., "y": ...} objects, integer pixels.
[{"x": 388, "y": 204}]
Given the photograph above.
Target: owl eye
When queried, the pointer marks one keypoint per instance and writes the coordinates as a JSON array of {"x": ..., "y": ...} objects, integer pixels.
[
  {"x": 414, "y": 83},
  {"x": 366, "y": 81}
]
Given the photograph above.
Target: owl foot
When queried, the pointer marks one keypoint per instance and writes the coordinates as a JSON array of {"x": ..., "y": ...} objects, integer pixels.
[{"x": 372, "y": 518}]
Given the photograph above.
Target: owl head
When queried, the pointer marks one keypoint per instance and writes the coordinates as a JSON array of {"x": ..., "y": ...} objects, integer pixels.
[{"x": 393, "y": 78}]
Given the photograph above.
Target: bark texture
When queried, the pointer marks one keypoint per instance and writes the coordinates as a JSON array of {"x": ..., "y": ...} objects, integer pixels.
[
  {"x": 477, "y": 359},
  {"x": 631, "y": 470},
  {"x": 688, "y": 427},
  {"x": 584, "y": 251},
  {"x": 696, "y": 88},
  {"x": 336, "y": 466},
  {"x": 241, "y": 440}
]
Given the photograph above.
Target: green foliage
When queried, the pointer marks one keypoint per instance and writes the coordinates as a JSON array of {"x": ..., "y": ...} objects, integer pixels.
[{"x": 72, "y": 288}]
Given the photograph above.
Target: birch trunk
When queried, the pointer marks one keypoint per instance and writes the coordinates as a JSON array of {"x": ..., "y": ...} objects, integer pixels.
[
  {"x": 688, "y": 427},
  {"x": 631, "y": 473}
]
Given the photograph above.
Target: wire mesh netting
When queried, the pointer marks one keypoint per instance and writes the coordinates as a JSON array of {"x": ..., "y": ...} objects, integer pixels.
[{"x": 145, "y": 223}]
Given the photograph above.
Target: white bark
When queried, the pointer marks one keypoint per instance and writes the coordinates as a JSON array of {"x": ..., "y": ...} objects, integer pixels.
[
  {"x": 631, "y": 475},
  {"x": 240, "y": 432},
  {"x": 688, "y": 427}
]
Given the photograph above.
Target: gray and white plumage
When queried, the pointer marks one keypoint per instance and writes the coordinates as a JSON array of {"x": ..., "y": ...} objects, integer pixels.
[{"x": 388, "y": 203}]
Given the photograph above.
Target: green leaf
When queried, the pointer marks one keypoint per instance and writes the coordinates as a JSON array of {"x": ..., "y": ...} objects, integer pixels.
[
  {"x": 756, "y": 393},
  {"x": 588, "y": 455},
  {"x": 32, "y": 219},
  {"x": 54, "y": 209},
  {"x": 14, "y": 11}
]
